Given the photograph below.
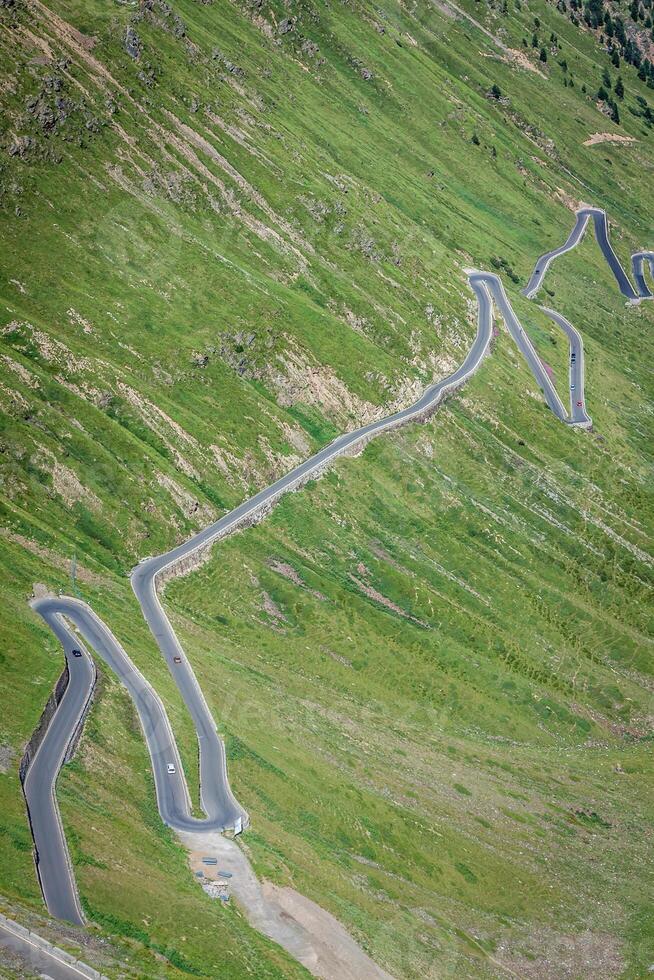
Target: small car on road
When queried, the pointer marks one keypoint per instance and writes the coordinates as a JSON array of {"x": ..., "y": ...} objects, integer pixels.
[
  {"x": 77, "y": 653},
  {"x": 177, "y": 660},
  {"x": 580, "y": 404},
  {"x": 171, "y": 769}
]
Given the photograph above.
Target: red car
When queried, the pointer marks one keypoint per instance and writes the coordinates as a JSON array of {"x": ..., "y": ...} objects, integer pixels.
[{"x": 580, "y": 404}]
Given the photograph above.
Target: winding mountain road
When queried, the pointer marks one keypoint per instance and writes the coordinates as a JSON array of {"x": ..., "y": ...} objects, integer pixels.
[
  {"x": 53, "y": 865},
  {"x": 601, "y": 229},
  {"x": 70, "y": 618}
]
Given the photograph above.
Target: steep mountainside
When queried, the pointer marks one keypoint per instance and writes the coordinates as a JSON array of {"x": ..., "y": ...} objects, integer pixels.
[{"x": 229, "y": 233}]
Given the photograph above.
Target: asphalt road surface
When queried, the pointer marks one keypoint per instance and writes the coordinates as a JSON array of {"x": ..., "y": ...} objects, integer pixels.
[
  {"x": 638, "y": 260},
  {"x": 484, "y": 282},
  {"x": 50, "y": 851},
  {"x": 577, "y": 378},
  {"x": 601, "y": 227},
  {"x": 41, "y": 960},
  {"x": 222, "y": 810}
]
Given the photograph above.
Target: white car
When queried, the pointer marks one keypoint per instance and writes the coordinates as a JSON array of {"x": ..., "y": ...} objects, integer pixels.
[{"x": 171, "y": 769}]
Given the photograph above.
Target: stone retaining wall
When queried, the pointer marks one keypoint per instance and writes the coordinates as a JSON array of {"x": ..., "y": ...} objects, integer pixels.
[{"x": 46, "y": 717}]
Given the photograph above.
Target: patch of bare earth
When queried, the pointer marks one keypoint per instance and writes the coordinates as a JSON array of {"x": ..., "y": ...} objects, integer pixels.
[
  {"x": 271, "y": 608},
  {"x": 336, "y": 656},
  {"x": 186, "y": 141},
  {"x": 296, "y": 376},
  {"x": 376, "y": 596},
  {"x": 51, "y": 350},
  {"x": 77, "y": 43},
  {"x": 521, "y": 59},
  {"x": 283, "y": 568},
  {"x": 66, "y": 483},
  {"x": 310, "y": 934},
  {"x": 200, "y": 143},
  {"x": 187, "y": 503},
  {"x": 572, "y": 203},
  {"x": 608, "y": 138},
  {"x": 511, "y": 55}
]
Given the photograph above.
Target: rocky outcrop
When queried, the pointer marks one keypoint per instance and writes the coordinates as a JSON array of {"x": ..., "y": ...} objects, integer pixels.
[{"x": 132, "y": 43}]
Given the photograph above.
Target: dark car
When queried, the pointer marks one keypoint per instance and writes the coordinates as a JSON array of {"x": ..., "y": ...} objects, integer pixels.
[
  {"x": 77, "y": 653},
  {"x": 177, "y": 660}
]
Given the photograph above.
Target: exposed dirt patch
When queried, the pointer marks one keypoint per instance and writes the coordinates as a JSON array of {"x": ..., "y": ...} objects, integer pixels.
[
  {"x": 511, "y": 55},
  {"x": 338, "y": 955},
  {"x": 376, "y": 596},
  {"x": 298, "y": 378},
  {"x": 336, "y": 656},
  {"x": 162, "y": 425},
  {"x": 187, "y": 143},
  {"x": 313, "y": 936},
  {"x": 187, "y": 503},
  {"x": 51, "y": 350},
  {"x": 296, "y": 437},
  {"x": 25, "y": 376},
  {"x": 70, "y": 489},
  {"x": 13, "y": 402},
  {"x": 65, "y": 481},
  {"x": 520, "y": 58},
  {"x": 278, "y": 463},
  {"x": 608, "y": 138},
  {"x": 283, "y": 568},
  {"x": 77, "y": 43},
  {"x": 444, "y": 8},
  {"x": 200, "y": 143},
  {"x": 574, "y": 204},
  {"x": 225, "y": 461},
  {"x": 380, "y": 552},
  {"x": 271, "y": 608}
]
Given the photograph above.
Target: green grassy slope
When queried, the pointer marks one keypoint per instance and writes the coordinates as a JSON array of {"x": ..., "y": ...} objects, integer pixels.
[{"x": 215, "y": 256}]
